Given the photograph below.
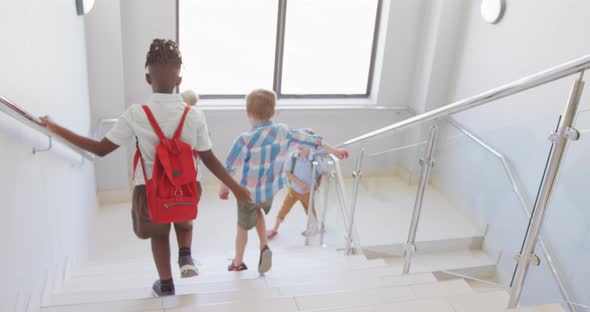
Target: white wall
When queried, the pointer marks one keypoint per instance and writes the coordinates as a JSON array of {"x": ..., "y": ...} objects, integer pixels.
[
  {"x": 106, "y": 83},
  {"x": 534, "y": 35},
  {"x": 48, "y": 200},
  {"x": 439, "y": 33},
  {"x": 141, "y": 21}
]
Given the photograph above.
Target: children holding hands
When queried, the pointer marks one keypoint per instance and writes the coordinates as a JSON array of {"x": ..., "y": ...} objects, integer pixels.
[{"x": 257, "y": 160}]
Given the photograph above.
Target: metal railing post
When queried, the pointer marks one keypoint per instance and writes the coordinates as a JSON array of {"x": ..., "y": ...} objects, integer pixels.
[
  {"x": 426, "y": 163},
  {"x": 526, "y": 206},
  {"x": 326, "y": 199},
  {"x": 311, "y": 209},
  {"x": 357, "y": 179},
  {"x": 564, "y": 133},
  {"x": 340, "y": 191}
]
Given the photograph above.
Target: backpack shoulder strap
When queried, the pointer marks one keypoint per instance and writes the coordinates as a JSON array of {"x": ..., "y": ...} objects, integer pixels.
[
  {"x": 178, "y": 132},
  {"x": 138, "y": 158},
  {"x": 293, "y": 162},
  {"x": 154, "y": 123}
]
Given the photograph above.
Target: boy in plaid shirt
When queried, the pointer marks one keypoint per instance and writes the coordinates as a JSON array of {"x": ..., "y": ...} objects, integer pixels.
[{"x": 257, "y": 160}]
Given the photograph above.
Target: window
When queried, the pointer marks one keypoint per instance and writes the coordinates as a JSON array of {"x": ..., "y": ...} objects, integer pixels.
[
  {"x": 299, "y": 48},
  {"x": 228, "y": 46}
]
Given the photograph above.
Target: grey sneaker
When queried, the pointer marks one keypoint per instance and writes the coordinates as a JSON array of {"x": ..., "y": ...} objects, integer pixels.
[
  {"x": 187, "y": 267},
  {"x": 265, "y": 262},
  {"x": 157, "y": 288}
]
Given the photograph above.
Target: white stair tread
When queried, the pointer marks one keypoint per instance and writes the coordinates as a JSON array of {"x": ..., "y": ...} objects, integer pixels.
[
  {"x": 118, "y": 306},
  {"x": 214, "y": 265},
  {"x": 343, "y": 299},
  {"x": 145, "y": 292},
  {"x": 413, "y": 306},
  {"x": 253, "y": 291},
  {"x": 247, "y": 302},
  {"x": 481, "y": 302},
  {"x": 206, "y": 276},
  {"x": 451, "y": 260},
  {"x": 179, "y": 302},
  {"x": 351, "y": 283},
  {"x": 367, "y": 278},
  {"x": 184, "y": 296},
  {"x": 125, "y": 264},
  {"x": 382, "y": 295},
  {"x": 264, "y": 305},
  {"x": 221, "y": 266},
  {"x": 542, "y": 308}
]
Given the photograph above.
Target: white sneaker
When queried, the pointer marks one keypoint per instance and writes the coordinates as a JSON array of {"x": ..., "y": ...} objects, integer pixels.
[{"x": 314, "y": 231}]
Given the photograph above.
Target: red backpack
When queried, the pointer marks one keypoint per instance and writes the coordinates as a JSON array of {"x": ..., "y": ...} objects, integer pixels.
[{"x": 172, "y": 191}]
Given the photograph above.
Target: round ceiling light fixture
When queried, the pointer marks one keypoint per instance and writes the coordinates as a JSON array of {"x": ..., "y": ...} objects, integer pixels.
[{"x": 492, "y": 11}]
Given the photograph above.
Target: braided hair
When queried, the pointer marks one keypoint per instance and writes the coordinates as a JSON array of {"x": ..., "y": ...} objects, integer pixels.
[{"x": 163, "y": 52}]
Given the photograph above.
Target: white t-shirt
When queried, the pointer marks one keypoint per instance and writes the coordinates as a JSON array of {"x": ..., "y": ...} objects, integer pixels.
[{"x": 167, "y": 110}]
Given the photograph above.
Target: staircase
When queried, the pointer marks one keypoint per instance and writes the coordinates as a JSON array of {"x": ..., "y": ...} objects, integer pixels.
[{"x": 302, "y": 279}]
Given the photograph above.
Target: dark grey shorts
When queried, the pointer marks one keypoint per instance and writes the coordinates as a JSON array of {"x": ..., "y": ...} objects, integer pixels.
[{"x": 248, "y": 213}]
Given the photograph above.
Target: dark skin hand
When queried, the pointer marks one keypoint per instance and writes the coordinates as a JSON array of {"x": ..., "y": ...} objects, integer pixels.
[
  {"x": 98, "y": 148},
  {"x": 162, "y": 79},
  {"x": 105, "y": 147}
]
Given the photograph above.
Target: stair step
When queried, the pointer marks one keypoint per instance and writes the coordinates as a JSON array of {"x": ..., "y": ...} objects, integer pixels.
[
  {"x": 476, "y": 261},
  {"x": 413, "y": 306},
  {"x": 220, "y": 266},
  {"x": 382, "y": 295},
  {"x": 289, "y": 284},
  {"x": 273, "y": 305},
  {"x": 194, "y": 294},
  {"x": 425, "y": 247},
  {"x": 481, "y": 302},
  {"x": 139, "y": 280},
  {"x": 542, "y": 308},
  {"x": 352, "y": 283},
  {"x": 255, "y": 302},
  {"x": 378, "y": 274},
  {"x": 245, "y": 297},
  {"x": 118, "y": 306},
  {"x": 140, "y": 266}
]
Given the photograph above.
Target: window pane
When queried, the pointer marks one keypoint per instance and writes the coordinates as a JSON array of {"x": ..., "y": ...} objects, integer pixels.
[
  {"x": 328, "y": 46},
  {"x": 228, "y": 46}
]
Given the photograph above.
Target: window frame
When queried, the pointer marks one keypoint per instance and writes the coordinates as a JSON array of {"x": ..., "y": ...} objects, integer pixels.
[{"x": 279, "y": 53}]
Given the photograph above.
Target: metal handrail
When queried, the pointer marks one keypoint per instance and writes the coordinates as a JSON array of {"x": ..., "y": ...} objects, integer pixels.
[
  {"x": 16, "y": 112},
  {"x": 523, "y": 203},
  {"x": 335, "y": 169},
  {"x": 515, "y": 87},
  {"x": 516, "y": 187}
]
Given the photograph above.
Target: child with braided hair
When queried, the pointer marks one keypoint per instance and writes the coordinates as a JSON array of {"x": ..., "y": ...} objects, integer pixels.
[{"x": 163, "y": 64}]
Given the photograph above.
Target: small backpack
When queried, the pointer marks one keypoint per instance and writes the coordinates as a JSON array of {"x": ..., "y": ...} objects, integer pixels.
[
  {"x": 292, "y": 171},
  {"x": 172, "y": 191}
]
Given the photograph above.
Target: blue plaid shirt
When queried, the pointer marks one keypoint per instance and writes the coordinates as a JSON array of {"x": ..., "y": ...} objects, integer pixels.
[{"x": 257, "y": 157}]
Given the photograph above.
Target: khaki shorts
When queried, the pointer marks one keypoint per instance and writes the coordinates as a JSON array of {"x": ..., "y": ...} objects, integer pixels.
[
  {"x": 248, "y": 213},
  {"x": 143, "y": 226}
]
